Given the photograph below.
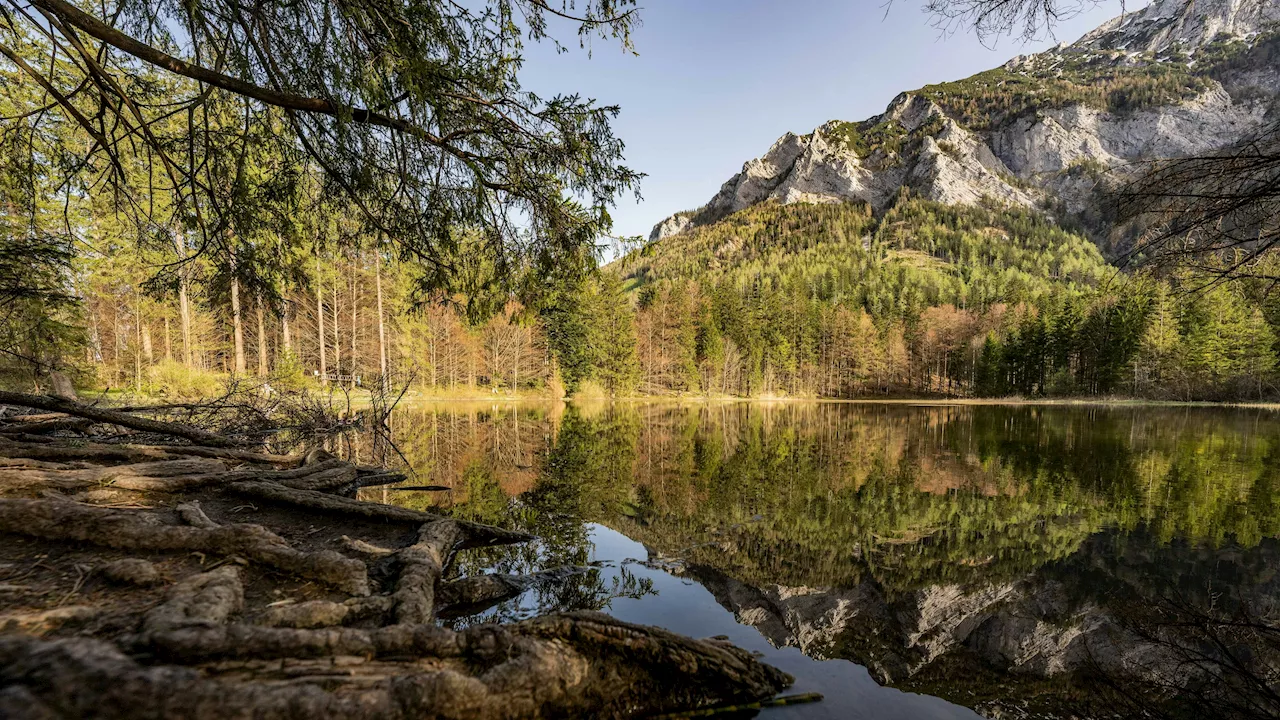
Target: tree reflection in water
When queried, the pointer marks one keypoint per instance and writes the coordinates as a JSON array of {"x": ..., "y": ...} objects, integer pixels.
[{"x": 1014, "y": 557}]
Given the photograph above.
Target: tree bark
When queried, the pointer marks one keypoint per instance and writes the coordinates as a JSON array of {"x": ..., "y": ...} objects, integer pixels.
[
  {"x": 324, "y": 369},
  {"x": 262, "y": 339},
  {"x": 184, "y": 303},
  {"x": 354, "y": 315},
  {"x": 382, "y": 331},
  {"x": 237, "y": 322},
  {"x": 286, "y": 337}
]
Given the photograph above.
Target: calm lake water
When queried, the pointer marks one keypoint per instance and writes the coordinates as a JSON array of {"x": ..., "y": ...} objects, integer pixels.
[{"x": 907, "y": 561}]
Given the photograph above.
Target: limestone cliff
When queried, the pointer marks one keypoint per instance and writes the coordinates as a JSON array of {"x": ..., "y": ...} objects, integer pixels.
[{"x": 1176, "y": 78}]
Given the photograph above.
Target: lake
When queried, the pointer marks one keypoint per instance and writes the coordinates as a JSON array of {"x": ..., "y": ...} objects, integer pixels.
[{"x": 905, "y": 560}]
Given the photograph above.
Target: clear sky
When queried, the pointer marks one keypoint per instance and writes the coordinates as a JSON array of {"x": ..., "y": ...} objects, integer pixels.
[{"x": 715, "y": 82}]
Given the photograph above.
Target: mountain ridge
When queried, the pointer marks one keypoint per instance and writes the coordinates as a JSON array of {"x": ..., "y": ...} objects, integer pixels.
[{"x": 1200, "y": 79}]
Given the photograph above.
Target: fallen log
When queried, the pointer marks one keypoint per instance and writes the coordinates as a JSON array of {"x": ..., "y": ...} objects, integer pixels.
[
  {"x": 476, "y": 533},
  {"x": 114, "y": 417},
  {"x": 144, "y": 530}
]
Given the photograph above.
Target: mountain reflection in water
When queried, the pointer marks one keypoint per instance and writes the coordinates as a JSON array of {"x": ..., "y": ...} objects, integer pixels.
[{"x": 1010, "y": 559}]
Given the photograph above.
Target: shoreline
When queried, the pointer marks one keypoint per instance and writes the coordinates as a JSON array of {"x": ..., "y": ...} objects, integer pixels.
[{"x": 431, "y": 398}]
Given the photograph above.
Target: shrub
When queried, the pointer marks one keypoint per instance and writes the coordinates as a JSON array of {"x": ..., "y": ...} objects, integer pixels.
[
  {"x": 174, "y": 380},
  {"x": 289, "y": 374}
]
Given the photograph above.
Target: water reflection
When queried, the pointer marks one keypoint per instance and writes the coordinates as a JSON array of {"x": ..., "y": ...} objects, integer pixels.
[{"x": 996, "y": 556}]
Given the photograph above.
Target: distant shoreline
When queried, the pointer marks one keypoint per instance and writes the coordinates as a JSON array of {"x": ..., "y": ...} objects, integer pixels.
[{"x": 763, "y": 400}]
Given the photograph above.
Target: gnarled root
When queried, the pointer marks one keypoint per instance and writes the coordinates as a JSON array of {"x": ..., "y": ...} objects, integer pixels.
[
  {"x": 474, "y": 533},
  {"x": 164, "y": 475},
  {"x": 570, "y": 665},
  {"x": 140, "y": 530}
]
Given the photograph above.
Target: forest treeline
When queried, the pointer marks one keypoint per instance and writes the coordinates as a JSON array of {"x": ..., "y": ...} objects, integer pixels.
[{"x": 796, "y": 300}]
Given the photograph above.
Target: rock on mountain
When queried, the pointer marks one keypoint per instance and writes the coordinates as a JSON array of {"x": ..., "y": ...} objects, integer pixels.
[
  {"x": 1176, "y": 78},
  {"x": 1166, "y": 25}
]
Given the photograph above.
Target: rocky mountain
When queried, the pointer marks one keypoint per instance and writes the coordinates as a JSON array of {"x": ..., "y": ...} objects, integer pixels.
[{"x": 1178, "y": 77}]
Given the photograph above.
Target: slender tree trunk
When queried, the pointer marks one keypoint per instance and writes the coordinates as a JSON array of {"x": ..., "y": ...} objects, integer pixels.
[
  {"x": 184, "y": 303},
  {"x": 285, "y": 336},
  {"x": 262, "y": 340},
  {"x": 168, "y": 346},
  {"x": 237, "y": 325},
  {"x": 337, "y": 338},
  {"x": 324, "y": 369},
  {"x": 137, "y": 351},
  {"x": 382, "y": 330},
  {"x": 354, "y": 314},
  {"x": 515, "y": 366}
]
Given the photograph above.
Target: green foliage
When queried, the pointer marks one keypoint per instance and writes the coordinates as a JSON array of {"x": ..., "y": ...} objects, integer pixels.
[
  {"x": 288, "y": 373},
  {"x": 589, "y": 329},
  {"x": 1099, "y": 81},
  {"x": 175, "y": 381},
  {"x": 984, "y": 300}
]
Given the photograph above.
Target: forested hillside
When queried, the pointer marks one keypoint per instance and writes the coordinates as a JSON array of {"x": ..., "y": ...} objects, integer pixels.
[{"x": 929, "y": 298}]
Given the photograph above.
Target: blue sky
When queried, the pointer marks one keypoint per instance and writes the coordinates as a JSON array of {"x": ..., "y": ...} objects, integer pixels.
[{"x": 717, "y": 81}]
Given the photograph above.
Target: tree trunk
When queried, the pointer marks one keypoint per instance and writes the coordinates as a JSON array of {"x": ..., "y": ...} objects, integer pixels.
[
  {"x": 382, "y": 330},
  {"x": 168, "y": 346},
  {"x": 137, "y": 351},
  {"x": 515, "y": 366},
  {"x": 286, "y": 336},
  {"x": 324, "y": 370},
  {"x": 184, "y": 303},
  {"x": 354, "y": 314},
  {"x": 337, "y": 339},
  {"x": 237, "y": 326},
  {"x": 262, "y": 340}
]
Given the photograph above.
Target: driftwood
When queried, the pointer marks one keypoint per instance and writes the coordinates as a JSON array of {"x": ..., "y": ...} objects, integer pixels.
[
  {"x": 114, "y": 417},
  {"x": 368, "y": 650}
]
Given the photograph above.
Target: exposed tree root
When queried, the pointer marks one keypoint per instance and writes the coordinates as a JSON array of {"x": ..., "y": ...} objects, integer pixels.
[
  {"x": 476, "y": 533},
  {"x": 583, "y": 664},
  {"x": 131, "y": 571},
  {"x": 370, "y": 480},
  {"x": 322, "y": 480},
  {"x": 421, "y": 566},
  {"x": 141, "y": 530},
  {"x": 363, "y": 656},
  {"x": 114, "y": 417},
  {"x": 164, "y": 475},
  {"x": 38, "y": 623},
  {"x": 365, "y": 548},
  {"x": 325, "y": 613},
  {"x": 89, "y": 451}
]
